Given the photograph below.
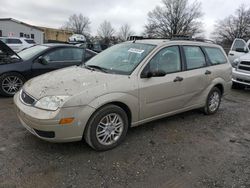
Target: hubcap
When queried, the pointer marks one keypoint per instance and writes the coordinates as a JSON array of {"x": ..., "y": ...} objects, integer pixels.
[
  {"x": 109, "y": 129},
  {"x": 214, "y": 101},
  {"x": 11, "y": 84}
]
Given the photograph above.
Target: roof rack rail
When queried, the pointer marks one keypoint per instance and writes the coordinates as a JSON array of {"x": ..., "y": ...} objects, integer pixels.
[{"x": 175, "y": 37}]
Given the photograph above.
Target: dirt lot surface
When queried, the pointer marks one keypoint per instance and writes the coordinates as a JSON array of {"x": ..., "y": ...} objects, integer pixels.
[{"x": 184, "y": 151}]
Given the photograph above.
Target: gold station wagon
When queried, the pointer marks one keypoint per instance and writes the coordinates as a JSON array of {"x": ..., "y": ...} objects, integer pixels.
[{"x": 124, "y": 86}]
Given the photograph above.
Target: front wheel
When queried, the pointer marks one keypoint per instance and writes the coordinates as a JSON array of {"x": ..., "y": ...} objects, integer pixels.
[
  {"x": 107, "y": 128},
  {"x": 213, "y": 101},
  {"x": 10, "y": 83}
]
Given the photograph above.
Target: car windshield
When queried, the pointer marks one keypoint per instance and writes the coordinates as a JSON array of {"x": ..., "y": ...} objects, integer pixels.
[
  {"x": 30, "y": 52},
  {"x": 121, "y": 58}
]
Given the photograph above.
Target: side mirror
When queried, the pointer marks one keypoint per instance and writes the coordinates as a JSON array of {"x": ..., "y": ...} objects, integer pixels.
[
  {"x": 42, "y": 60},
  {"x": 149, "y": 74},
  {"x": 242, "y": 50}
]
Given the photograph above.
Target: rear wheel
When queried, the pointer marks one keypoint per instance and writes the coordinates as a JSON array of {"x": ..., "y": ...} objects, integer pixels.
[
  {"x": 107, "y": 128},
  {"x": 213, "y": 101},
  {"x": 10, "y": 83}
]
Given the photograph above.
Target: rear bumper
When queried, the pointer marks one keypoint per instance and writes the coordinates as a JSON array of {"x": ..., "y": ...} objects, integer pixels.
[
  {"x": 45, "y": 124},
  {"x": 240, "y": 77}
]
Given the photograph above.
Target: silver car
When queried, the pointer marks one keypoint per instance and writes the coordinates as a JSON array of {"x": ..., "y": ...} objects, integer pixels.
[{"x": 126, "y": 85}]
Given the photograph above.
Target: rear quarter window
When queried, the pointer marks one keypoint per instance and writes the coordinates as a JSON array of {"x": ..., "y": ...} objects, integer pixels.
[{"x": 215, "y": 55}]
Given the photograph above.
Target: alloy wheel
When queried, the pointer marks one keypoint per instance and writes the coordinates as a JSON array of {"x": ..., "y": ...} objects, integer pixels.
[
  {"x": 109, "y": 129},
  {"x": 11, "y": 84}
]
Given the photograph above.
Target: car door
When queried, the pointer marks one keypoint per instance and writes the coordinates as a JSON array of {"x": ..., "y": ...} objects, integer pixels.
[
  {"x": 180, "y": 87},
  {"x": 238, "y": 49},
  {"x": 159, "y": 95},
  {"x": 56, "y": 59}
]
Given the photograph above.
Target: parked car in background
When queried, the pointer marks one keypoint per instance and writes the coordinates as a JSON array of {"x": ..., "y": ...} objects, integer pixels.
[
  {"x": 239, "y": 56},
  {"x": 77, "y": 38},
  {"x": 126, "y": 85},
  {"x": 18, "y": 44},
  {"x": 241, "y": 72},
  {"x": 16, "y": 68},
  {"x": 238, "y": 49}
]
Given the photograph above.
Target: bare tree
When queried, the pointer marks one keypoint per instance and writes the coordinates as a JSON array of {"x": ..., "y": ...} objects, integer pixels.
[
  {"x": 233, "y": 26},
  {"x": 124, "y": 32},
  {"x": 78, "y": 24},
  {"x": 175, "y": 17},
  {"x": 106, "y": 32}
]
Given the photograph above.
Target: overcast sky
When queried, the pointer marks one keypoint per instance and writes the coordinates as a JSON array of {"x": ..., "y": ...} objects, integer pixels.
[{"x": 54, "y": 13}]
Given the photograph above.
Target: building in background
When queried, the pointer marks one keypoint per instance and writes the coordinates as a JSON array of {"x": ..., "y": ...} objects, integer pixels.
[
  {"x": 10, "y": 27},
  {"x": 56, "y": 35}
]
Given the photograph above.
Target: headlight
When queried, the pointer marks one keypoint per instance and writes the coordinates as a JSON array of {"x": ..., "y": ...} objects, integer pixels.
[
  {"x": 51, "y": 102},
  {"x": 235, "y": 63}
]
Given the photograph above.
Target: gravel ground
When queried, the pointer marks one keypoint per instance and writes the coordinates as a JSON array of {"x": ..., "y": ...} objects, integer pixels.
[{"x": 186, "y": 150}]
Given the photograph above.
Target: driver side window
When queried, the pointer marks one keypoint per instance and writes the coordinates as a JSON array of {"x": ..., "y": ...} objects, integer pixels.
[
  {"x": 167, "y": 60},
  {"x": 64, "y": 55}
]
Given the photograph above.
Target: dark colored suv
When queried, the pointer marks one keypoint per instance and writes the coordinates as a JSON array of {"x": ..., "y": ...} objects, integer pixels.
[{"x": 16, "y": 68}]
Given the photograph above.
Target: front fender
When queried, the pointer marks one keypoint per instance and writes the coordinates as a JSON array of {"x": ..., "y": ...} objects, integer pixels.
[{"x": 129, "y": 100}]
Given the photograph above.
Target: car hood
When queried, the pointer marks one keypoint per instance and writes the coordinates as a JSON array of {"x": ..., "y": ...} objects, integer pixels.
[
  {"x": 69, "y": 81},
  {"x": 245, "y": 57},
  {"x": 6, "y": 49}
]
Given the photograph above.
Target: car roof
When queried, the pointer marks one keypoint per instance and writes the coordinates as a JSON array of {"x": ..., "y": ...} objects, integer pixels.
[
  {"x": 58, "y": 45},
  {"x": 163, "y": 42}
]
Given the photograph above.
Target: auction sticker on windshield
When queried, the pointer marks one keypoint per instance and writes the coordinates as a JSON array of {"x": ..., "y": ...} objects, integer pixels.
[{"x": 134, "y": 50}]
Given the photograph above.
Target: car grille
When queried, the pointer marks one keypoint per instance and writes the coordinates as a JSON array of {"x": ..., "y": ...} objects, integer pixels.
[
  {"x": 244, "y": 65},
  {"x": 26, "y": 98}
]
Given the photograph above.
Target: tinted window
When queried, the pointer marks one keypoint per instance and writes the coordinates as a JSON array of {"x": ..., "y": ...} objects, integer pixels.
[
  {"x": 194, "y": 57},
  {"x": 14, "y": 41},
  {"x": 21, "y": 34},
  {"x": 65, "y": 54},
  {"x": 167, "y": 60},
  {"x": 215, "y": 55},
  {"x": 30, "y": 41},
  {"x": 88, "y": 55},
  {"x": 1, "y": 33}
]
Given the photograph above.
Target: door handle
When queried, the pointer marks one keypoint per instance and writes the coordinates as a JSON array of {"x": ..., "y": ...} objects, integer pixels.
[
  {"x": 231, "y": 54},
  {"x": 208, "y": 72},
  {"x": 178, "y": 79}
]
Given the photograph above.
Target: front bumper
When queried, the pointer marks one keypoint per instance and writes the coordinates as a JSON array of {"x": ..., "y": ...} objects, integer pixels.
[
  {"x": 241, "y": 77},
  {"x": 45, "y": 124}
]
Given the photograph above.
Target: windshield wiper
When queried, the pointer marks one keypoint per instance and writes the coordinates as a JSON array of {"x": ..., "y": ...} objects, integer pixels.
[{"x": 93, "y": 67}]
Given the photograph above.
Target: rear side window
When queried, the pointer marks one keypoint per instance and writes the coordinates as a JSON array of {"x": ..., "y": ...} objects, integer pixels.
[
  {"x": 194, "y": 57},
  {"x": 215, "y": 55},
  {"x": 13, "y": 41}
]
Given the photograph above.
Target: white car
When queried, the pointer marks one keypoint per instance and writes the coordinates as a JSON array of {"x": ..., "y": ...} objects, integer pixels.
[
  {"x": 18, "y": 44},
  {"x": 77, "y": 38},
  {"x": 239, "y": 57},
  {"x": 238, "y": 49}
]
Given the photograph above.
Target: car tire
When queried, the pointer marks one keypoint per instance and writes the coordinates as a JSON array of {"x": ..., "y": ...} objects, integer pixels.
[
  {"x": 213, "y": 101},
  {"x": 237, "y": 86},
  {"x": 10, "y": 83},
  {"x": 107, "y": 128}
]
